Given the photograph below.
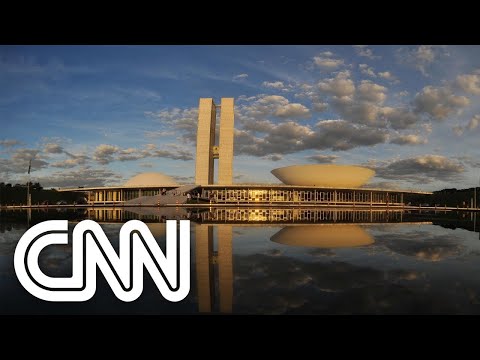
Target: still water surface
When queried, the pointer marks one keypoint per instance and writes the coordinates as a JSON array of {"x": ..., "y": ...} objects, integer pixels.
[{"x": 279, "y": 261}]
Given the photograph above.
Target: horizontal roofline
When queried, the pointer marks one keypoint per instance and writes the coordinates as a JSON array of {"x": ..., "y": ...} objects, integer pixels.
[{"x": 281, "y": 186}]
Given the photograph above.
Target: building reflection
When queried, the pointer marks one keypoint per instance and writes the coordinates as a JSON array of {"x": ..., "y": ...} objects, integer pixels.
[
  {"x": 326, "y": 236},
  {"x": 208, "y": 261},
  {"x": 296, "y": 215}
]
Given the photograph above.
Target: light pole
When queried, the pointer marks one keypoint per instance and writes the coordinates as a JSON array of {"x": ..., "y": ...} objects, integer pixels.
[{"x": 28, "y": 183}]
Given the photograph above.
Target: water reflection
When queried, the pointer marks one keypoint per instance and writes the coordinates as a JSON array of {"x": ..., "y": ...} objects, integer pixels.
[
  {"x": 281, "y": 261},
  {"x": 207, "y": 260},
  {"x": 323, "y": 236}
]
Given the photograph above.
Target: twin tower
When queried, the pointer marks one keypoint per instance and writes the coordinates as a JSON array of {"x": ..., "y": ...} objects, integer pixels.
[{"x": 207, "y": 151}]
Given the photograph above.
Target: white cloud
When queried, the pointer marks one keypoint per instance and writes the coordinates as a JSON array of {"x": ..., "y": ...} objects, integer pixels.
[
  {"x": 319, "y": 106},
  {"x": 471, "y": 125},
  {"x": 52, "y": 148},
  {"x": 365, "y": 51},
  {"x": 372, "y": 92},
  {"x": 326, "y": 53},
  {"x": 240, "y": 77},
  {"x": 70, "y": 163},
  {"x": 104, "y": 153},
  {"x": 327, "y": 63},
  {"x": 273, "y": 157},
  {"x": 84, "y": 176},
  {"x": 339, "y": 86},
  {"x": 411, "y": 139},
  {"x": 474, "y": 122},
  {"x": 470, "y": 83},
  {"x": 420, "y": 57},
  {"x": 387, "y": 75},
  {"x": 367, "y": 70},
  {"x": 403, "y": 93},
  {"x": 274, "y": 85},
  {"x": 293, "y": 111}
]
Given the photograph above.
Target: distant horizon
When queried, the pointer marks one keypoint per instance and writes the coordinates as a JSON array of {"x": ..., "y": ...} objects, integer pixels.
[{"x": 98, "y": 115}]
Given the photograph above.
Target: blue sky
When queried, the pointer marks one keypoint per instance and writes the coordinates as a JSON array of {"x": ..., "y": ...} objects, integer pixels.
[{"x": 98, "y": 115}]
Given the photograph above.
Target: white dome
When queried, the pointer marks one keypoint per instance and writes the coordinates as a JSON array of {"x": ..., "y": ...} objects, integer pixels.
[{"x": 150, "y": 179}]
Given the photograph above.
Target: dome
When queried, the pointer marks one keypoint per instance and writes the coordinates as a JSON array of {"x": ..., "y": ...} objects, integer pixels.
[
  {"x": 327, "y": 175},
  {"x": 150, "y": 179},
  {"x": 324, "y": 236}
]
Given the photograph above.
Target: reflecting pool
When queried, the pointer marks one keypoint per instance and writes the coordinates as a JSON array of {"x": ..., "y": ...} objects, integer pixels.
[{"x": 277, "y": 261}]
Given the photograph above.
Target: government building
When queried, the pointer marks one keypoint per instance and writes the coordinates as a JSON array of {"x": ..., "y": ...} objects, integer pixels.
[{"x": 301, "y": 185}]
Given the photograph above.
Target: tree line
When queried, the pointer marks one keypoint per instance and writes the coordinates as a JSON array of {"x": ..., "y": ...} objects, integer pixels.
[{"x": 17, "y": 195}]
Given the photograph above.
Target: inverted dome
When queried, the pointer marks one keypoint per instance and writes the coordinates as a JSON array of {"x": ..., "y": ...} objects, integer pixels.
[
  {"x": 327, "y": 175},
  {"x": 324, "y": 236},
  {"x": 150, "y": 179}
]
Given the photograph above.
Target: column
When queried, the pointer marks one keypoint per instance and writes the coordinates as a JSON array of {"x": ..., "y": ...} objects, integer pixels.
[
  {"x": 204, "y": 266},
  {"x": 225, "y": 267},
  {"x": 225, "y": 160},
  {"x": 205, "y": 141}
]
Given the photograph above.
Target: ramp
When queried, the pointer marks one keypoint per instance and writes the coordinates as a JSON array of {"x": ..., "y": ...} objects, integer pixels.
[{"x": 174, "y": 196}]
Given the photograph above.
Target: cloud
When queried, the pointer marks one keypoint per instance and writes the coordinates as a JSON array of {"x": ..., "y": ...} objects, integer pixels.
[
  {"x": 369, "y": 91},
  {"x": 367, "y": 70},
  {"x": 470, "y": 83},
  {"x": 9, "y": 143},
  {"x": 424, "y": 246},
  {"x": 322, "y": 159},
  {"x": 273, "y": 157},
  {"x": 471, "y": 125},
  {"x": 293, "y": 111},
  {"x": 327, "y": 53},
  {"x": 469, "y": 160},
  {"x": 360, "y": 111},
  {"x": 400, "y": 118},
  {"x": 183, "y": 179},
  {"x": 420, "y": 57},
  {"x": 327, "y": 63},
  {"x": 258, "y": 117},
  {"x": 439, "y": 102},
  {"x": 421, "y": 169},
  {"x": 274, "y": 85},
  {"x": 184, "y": 155},
  {"x": 411, "y": 139},
  {"x": 269, "y": 106},
  {"x": 390, "y": 185},
  {"x": 84, "y": 176},
  {"x": 179, "y": 121},
  {"x": 365, "y": 51},
  {"x": 70, "y": 163},
  {"x": 240, "y": 77},
  {"x": 320, "y": 106},
  {"x": 158, "y": 133},
  {"x": 52, "y": 148},
  {"x": 387, "y": 75},
  {"x": 104, "y": 153},
  {"x": 339, "y": 86},
  {"x": 19, "y": 161},
  {"x": 342, "y": 135}
]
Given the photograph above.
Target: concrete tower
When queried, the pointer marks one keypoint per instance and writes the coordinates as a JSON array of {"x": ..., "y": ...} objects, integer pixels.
[{"x": 207, "y": 151}]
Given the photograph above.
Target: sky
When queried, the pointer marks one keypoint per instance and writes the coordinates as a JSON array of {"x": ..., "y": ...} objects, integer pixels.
[{"x": 98, "y": 115}]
